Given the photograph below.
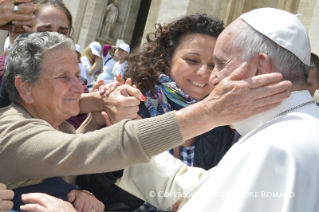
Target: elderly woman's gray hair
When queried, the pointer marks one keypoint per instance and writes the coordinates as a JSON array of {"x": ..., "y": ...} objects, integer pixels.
[
  {"x": 251, "y": 43},
  {"x": 26, "y": 55}
]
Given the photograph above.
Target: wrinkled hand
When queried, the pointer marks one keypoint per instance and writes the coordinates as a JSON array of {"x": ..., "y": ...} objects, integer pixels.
[
  {"x": 39, "y": 202},
  {"x": 97, "y": 86},
  {"x": 122, "y": 103},
  {"x": 118, "y": 106},
  {"x": 235, "y": 99},
  {"x": 85, "y": 201},
  {"x": 25, "y": 17},
  {"x": 5, "y": 197},
  {"x": 107, "y": 89}
]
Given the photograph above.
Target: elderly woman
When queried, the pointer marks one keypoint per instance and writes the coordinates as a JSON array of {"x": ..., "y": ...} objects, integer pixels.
[
  {"x": 53, "y": 16},
  {"x": 38, "y": 144}
]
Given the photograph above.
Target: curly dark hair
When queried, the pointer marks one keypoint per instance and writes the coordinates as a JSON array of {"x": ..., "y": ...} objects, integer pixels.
[{"x": 144, "y": 66}]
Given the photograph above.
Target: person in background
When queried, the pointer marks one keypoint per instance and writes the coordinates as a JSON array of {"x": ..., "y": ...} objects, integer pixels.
[
  {"x": 90, "y": 60},
  {"x": 313, "y": 77},
  {"x": 6, "y": 44},
  {"x": 82, "y": 68},
  {"x": 108, "y": 64},
  {"x": 121, "y": 52}
]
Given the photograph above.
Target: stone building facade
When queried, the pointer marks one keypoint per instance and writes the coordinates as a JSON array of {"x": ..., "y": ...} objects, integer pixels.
[{"x": 130, "y": 20}]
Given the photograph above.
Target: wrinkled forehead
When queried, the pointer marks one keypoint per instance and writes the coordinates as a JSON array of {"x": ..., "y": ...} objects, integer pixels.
[
  {"x": 225, "y": 41},
  {"x": 52, "y": 56}
]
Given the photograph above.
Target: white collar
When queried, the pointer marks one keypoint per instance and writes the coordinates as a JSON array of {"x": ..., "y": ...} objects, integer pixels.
[{"x": 296, "y": 98}]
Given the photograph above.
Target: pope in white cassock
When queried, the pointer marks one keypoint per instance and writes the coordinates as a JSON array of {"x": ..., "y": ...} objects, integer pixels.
[{"x": 274, "y": 166}]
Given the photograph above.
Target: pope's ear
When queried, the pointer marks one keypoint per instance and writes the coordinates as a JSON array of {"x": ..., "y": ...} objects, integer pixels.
[
  {"x": 264, "y": 64},
  {"x": 24, "y": 90}
]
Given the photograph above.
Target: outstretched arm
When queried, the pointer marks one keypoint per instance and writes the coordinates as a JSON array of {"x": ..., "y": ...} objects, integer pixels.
[{"x": 164, "y": 184}]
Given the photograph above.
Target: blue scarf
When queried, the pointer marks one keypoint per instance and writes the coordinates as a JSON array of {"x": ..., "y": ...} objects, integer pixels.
[{"x": 156, "y": 99}]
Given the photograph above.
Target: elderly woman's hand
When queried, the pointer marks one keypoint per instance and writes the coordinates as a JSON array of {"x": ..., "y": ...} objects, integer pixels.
[
  {"x": 85, "y": 201},
  {"x": 5, "y": 197},
  {"x": 25, "y": 16},
  {"x": 122, "y": 103},
  {"x": 38, "y": 202},
  {"x": 108, "y": 88}
]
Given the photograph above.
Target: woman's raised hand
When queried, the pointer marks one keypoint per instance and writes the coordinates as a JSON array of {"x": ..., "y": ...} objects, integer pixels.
[{"x": 23, "y": 14}]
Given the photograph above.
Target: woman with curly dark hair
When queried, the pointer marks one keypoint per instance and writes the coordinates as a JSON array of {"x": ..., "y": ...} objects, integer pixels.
[
  {"x": 157, "y": 55},
  {"x": 172, "y": 70}
]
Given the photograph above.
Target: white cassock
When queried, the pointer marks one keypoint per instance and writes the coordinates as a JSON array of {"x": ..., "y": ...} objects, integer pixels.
[{"x": 273, "y": 167}]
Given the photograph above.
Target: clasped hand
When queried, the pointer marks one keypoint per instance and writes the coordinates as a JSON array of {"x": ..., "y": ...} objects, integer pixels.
[{"x": 121, "y": 101}]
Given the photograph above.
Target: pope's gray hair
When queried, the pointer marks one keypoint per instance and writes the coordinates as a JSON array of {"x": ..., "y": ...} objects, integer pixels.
[
  {"x": 25, "y": 58},
  {"x": 252, "y": 42}
]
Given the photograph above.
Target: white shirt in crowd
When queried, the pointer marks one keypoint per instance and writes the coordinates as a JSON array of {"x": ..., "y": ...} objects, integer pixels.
[
  {"x": 82, "y": 72},
  {"x": 86, "y": 63},
  {"x": 107, "y": 69},
  {"x": 119, "y": 69}
]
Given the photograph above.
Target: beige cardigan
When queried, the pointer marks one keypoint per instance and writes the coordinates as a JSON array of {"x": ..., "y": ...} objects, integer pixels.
[{"x": 31, "y": 150}]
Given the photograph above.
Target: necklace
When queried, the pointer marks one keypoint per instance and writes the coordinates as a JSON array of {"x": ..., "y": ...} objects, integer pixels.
[{"x": 293, "y": 108}]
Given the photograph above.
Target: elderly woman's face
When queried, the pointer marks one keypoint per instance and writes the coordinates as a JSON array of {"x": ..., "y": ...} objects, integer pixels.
[
  {"x": 51, "y": 19},
  {"x": 192, "y": 64},
  {"x": 59, "y": 90}
]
